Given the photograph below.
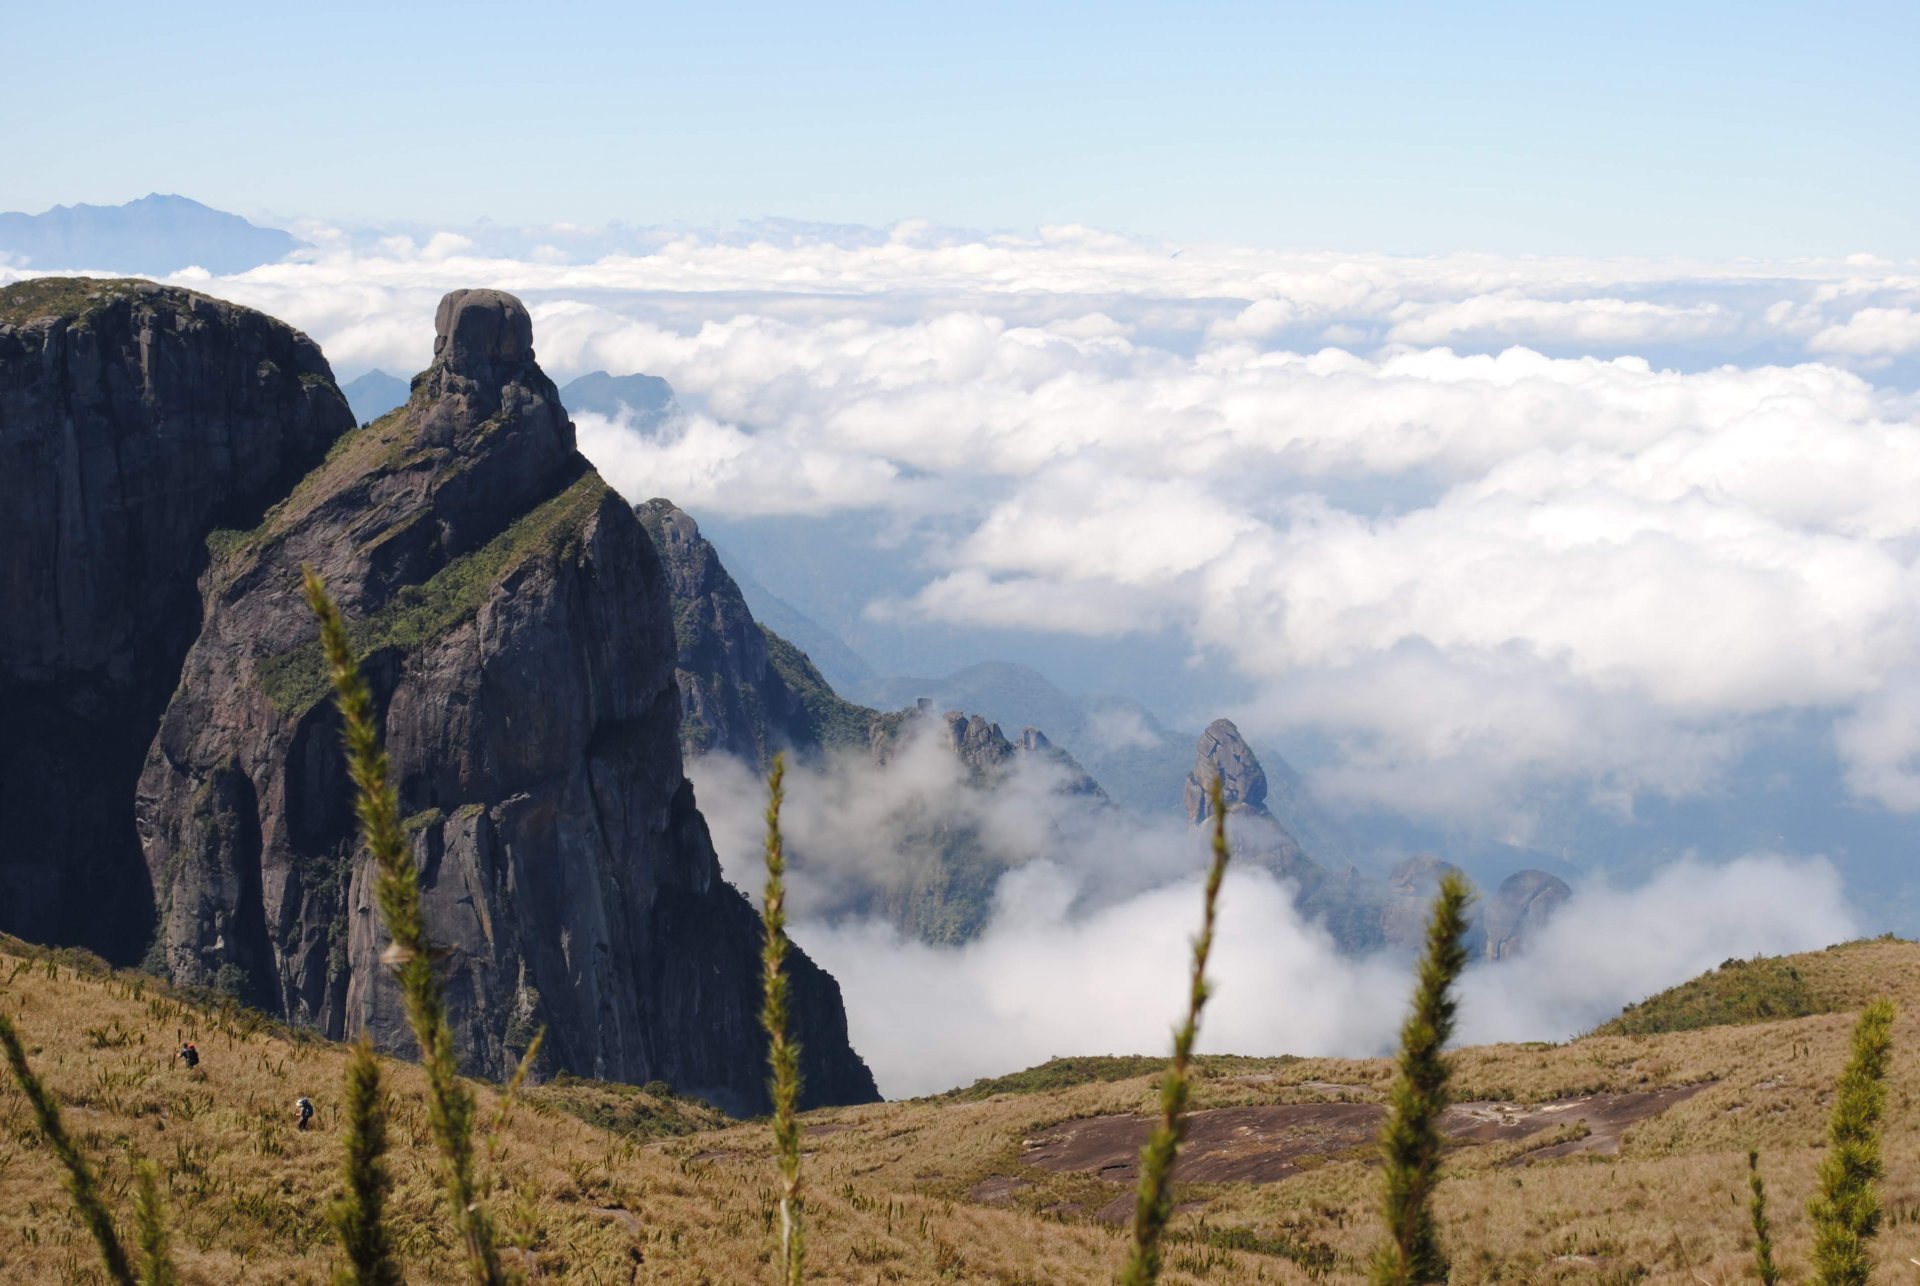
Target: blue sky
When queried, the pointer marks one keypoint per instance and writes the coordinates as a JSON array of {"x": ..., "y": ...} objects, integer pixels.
[{"x": 1711, "y": 129}]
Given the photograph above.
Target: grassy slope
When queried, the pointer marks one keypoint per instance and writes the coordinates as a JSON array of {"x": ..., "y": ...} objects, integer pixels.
[
  {"x": 889, "y": 1182},
  {"x": 1761, "y": 990}
]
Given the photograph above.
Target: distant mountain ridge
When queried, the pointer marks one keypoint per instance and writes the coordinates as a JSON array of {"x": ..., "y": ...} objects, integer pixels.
[
  {"x": 374, "y": 394},
  {"x": 644, "y": 401},
  {"x": 1362, "y": 913},
  {"x": 155, "y": 235}
]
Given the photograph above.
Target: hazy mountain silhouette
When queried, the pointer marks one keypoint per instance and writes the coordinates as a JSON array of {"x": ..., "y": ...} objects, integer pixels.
[{"x": 156, "y": 234}]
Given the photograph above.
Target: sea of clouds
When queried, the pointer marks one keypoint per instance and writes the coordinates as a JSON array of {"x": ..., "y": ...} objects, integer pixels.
[
  {"x": 1484, "y": 522},
  {"x": 1484, "y": 525}
]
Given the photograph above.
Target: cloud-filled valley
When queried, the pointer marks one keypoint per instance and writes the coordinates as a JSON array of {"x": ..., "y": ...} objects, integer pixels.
[{"x": 1085, "y": 946}]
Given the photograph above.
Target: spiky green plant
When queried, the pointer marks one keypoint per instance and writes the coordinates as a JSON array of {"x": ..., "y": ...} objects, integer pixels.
[
  {"x": 1411, "y": 1141},
  {"x": 82, "y": 1187},
  {"x": 359, "y": 1215},
  {"x": 1846, "y": 1212},
  {"x": 783, "y": 1056},
  {"x": 150, "y": 1219},
  {"x": 1762, "y": 1226},
  {"x": 450, "y": 1104},
  {"x": 1153, "y": 1207}
]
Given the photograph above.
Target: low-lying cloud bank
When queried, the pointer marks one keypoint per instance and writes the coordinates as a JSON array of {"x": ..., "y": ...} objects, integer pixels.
[
  {"x": 1087, "y": 945},
  {"x": 1042, "y": 982}
]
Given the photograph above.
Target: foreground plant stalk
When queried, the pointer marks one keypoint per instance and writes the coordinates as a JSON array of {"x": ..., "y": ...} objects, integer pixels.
[
  {"x": 1153, "y": 1207},
  {"x": 1411, "y": 1142},
  {"x": 1763, "y": 1264},
  {"x": 81, "y": 1184},
  {"x": 450, "y": 1104},
  {"x": 359, "y": 1217},
  {"x": 1846, "y": 1213},
  {"x": 150, "y": 1219},
  {"x": 783, "y": 1056}
]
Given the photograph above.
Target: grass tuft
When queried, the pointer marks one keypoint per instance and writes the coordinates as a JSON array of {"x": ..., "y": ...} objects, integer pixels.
[
  {"x": 150, "y": 1219},
  {"x": 1153, "y": 1208},
  {"x": 1763, "y": 1264}
]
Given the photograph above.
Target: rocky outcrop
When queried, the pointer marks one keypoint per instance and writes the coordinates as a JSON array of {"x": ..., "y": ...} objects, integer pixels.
[
  {"x": 1519, "y": 909},
  {"x": 1222, "y": 753},
  {"x": 1408, "y": 901},
  {"x": 746, "y": 692},
  {"x": 515, "y": 622},
  {"x": 733, "y": 699},
  {"x": 1074, "y": 780},
  {"x": 135, "y": 419},
  {"x": 1361, "y": 913}
]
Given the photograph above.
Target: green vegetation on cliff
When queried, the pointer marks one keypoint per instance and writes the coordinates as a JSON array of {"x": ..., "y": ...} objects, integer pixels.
[
  {"x": 23, "y": 301},
  {"x": 837, "y": 722},
  {"x": 418, "y": 614}
]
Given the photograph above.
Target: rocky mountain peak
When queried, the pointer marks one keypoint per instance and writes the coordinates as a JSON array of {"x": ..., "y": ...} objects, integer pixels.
[
  {"x": 674, "y": 531},
  {"x": 1523, "y": 903},
  {"x": 515, "y": 622},
  {"x": 979, "y": 742},
  {"x": 1222, "y": 752},
  {"x": 475, "y": 332}
]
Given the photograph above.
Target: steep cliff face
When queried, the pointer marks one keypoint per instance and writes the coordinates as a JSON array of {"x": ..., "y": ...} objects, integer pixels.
[
  {"x": 134, "y": 419},
  {"x": 733, "y": 700},
  {"x": 515, "y": 622}
]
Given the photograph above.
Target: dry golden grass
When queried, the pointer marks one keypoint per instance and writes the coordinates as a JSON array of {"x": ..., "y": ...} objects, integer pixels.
[{"x": 890, "y": 1182}]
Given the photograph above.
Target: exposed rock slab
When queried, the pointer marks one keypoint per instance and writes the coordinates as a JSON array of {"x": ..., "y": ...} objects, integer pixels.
[{"x": 1269, "y": 1143}]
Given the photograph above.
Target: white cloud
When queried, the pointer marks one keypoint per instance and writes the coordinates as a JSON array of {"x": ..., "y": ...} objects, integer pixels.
[
  {"x": 1880, "y": 742},
  {"x": 1871, "y": 332},
  {"x": 1086, "y": 948},
  {"x": 1610, "y": 322},
  {"x": 1588, "y": 569}
]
